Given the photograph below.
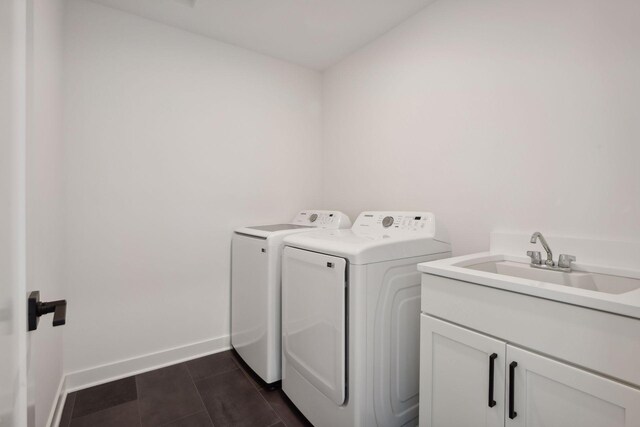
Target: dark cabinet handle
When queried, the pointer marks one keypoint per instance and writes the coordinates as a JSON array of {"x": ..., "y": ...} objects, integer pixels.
[
  {"x": 512, "y": 379},
  {"x": 492, "y": 359}
]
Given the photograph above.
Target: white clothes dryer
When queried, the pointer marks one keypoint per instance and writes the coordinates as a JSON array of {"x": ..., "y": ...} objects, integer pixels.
[
  {"x": 351, "y": 318},
  {"x": 256, "y": 254}
]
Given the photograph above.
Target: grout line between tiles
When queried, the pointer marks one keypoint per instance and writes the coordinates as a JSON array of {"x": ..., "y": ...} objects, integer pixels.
[
  {"x": 187, "y": 416},
  {"x": 247, "y": 375},
  {"x": 73, "y": 407},
  {"x": 139, "y": 414},
  {"x": 206, "y": 410},
  {"x": 280, "y": 420},
  {"x": 213, "y": 375},
  {"x": 104, "y": 410},
  {"x": 259, "y": 389},
  {"x": 251, "y": 380},
  {"x": 135, "y": 380}
]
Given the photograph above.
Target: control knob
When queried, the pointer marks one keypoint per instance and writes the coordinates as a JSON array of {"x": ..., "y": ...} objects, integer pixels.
[
  {"x": 313, "y": 217},
  {"x": 387, "y": 221}
]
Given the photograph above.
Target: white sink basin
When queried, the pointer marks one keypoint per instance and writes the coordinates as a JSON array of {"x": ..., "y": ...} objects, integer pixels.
[
  {"x": 577, "y": 279},
  {"x": 602, "y": 288}
]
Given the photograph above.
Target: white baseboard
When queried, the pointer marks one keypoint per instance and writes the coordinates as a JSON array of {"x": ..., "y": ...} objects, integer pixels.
[
  {"x": 79, "y": 380},
  {"x": 136, "y": 365}
]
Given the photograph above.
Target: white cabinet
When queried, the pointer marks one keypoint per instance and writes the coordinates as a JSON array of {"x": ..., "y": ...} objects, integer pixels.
[
  {"x": 549, "y": 393},
  {"x": 540, "y": 392},
  {"x": 457, "y": 385}
]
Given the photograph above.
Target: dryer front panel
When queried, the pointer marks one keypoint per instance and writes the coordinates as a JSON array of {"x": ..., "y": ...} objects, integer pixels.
[{"x": 314, "y": 316}]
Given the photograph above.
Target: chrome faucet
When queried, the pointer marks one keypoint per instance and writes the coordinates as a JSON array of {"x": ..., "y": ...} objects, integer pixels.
[
  {"x": 534, "y": 239},
  {"x": 564, "y": 262}
]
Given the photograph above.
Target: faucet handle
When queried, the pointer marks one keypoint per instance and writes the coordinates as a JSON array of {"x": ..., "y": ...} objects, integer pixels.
[
  {"x": 564, "y": 261},
  {"x": 535, "y": 257}
]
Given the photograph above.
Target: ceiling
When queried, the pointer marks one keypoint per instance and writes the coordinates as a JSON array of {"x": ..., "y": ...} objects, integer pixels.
[{"x": 312, "y": 33}]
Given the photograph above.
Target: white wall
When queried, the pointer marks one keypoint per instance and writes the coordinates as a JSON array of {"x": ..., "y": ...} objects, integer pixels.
[
  {"x": 45, "y": 201},
  {"x": 172, "y": 141},
  {"x": 507, "y": 115},
  {"x": 496, "y": 115}
]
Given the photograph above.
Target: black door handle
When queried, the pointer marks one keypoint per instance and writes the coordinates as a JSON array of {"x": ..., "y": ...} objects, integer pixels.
[
  {"x": 512, "y": 380},
  {"x": 37, "y": 309},
  {"x": 492, "y": 359}
]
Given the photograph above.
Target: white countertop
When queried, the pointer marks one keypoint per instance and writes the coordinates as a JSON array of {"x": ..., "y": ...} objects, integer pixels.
[{"x": 626, "y": 304}]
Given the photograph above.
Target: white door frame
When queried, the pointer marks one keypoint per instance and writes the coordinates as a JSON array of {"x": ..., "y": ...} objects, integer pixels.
[{"x": 13, "y": 328}]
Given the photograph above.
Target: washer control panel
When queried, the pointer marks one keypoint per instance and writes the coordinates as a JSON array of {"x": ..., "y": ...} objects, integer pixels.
[
  {"x": 322, "y": 219},
  {"x": 387, "y": 221},
  {"x": 396, "y": 222}
]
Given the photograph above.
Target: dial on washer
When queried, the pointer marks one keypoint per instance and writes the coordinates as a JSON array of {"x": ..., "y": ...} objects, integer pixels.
[
  {"x": 387, "y": 221},
  {"x": 313, "y": 217}
]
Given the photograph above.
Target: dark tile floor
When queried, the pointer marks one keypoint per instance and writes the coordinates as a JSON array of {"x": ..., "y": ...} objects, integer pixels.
[{"x": 216, "y": 390}]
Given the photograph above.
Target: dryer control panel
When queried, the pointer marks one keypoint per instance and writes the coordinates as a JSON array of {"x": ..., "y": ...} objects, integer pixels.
[
  {"x": 395, "y": 222},
  {"x": 322, "y": 219}
]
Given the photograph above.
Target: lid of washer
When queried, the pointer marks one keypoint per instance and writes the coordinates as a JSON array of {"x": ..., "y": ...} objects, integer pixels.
[
  {"x": 304, "y": 221},
  {"x": 378, "y": 236}
]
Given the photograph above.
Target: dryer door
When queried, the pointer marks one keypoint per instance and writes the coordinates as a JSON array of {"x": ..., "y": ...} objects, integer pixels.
[{"x": 314, "y": 316}]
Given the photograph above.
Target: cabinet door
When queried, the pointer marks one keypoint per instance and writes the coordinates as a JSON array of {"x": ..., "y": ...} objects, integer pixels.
[
  {"x": 548, "y": 393},
  {"x": 456, "y": 388}
]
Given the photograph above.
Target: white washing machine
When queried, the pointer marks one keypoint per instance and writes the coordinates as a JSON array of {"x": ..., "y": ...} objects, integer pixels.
[
  {"x": 256, "y": 254},
  {"x": 351, "y": 318}
]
